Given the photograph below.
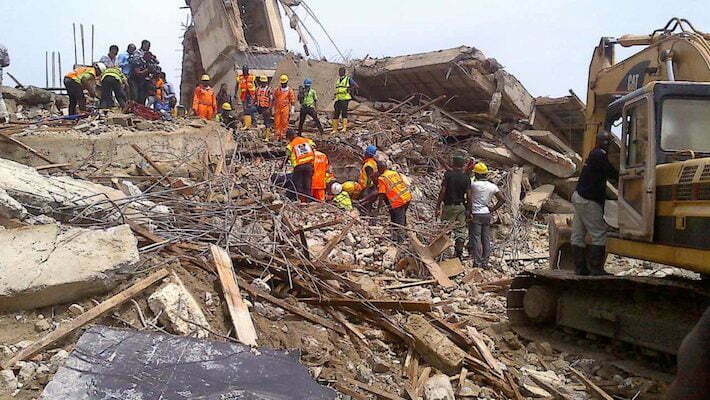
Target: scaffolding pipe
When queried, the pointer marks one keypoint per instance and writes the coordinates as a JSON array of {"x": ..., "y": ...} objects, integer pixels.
[
  {"x": 73, "y": 28},
  {"x": 92, "y": 44},
  {"x": 83, "y": 49},
  {"x": 54, "y": 71},
  {"x": 46, "y": 69}
]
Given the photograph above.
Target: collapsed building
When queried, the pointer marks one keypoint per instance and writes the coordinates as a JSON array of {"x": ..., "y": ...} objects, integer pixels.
[{"x": 195, "y": 270}]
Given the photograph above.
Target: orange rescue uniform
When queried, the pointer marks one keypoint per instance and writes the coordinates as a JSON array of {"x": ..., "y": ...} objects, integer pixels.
[
  {"x": 284, "y": 98},
  {"x": 246, "y": 86},
  {"x": 204, "y": 103},
  {"x": 321, "y": 176},
  {"x": 390, "y": 184},
  {"x": 263, "y": 97}
]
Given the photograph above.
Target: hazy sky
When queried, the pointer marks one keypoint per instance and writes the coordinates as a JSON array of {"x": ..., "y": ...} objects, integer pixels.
[{"x": 546, "y": 44}]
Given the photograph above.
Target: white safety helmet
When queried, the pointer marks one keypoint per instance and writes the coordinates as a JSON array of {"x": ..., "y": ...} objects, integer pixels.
[
  {"x": 101, "y": 66},
  {"x": 336, "y": 188}
]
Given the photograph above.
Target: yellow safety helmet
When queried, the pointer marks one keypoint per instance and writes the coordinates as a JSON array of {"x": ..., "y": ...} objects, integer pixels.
[
  {"x": 283, "y": 78},
  {"x": 351, "y": 187},
  {"x": 480, "y": 168},
  {"x": 263, "y": 78},
  {"x": 205, "y": 77},
  {"x": 227, "y": 107}
]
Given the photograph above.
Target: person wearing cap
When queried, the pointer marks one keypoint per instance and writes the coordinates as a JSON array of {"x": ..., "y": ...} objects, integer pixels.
[
  {"x": 300, "y": 153},
  {"x": 112, "y": 82},
  {"x": 353, "y": 188},
  {"x": 78, "y": 80},
  {"x": 204, "y": 101},
  {"x": 284, "y": 100},
  {"x": 341, "y": 198},
  {"x": 479, "y": 196},
  {"x": 227, "y": 116},
  {"x": 391, "y": 188},
  {"x": 264, "y": 102},
  {"x": 245, "y": 89},
  {"x": 342, "y": 99},
  {"x": 367, "y": 176},
  {"x": 321, "y": 175},
  {"x": 454, "y": 188},
  {"x": 309, "y": 102}
]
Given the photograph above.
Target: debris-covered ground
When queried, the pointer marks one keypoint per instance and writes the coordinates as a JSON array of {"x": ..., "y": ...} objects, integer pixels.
[{"x": 146, "y": 241}]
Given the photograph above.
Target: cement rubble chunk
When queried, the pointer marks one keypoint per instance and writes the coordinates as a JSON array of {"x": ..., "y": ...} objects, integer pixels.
[
  {"x": 438, "y": 387},
  {"x": 179, "y": 310},
  {"x": 434, "y": 346},
  {"x": 539, "y": 155},
  {"x": 11, "y": 208},
  {"x": 50, "y": 264},
  {"x": 534, "y": 200},
  {"x": 8, "y": 382},
  {"x": 491, "y": 152}
]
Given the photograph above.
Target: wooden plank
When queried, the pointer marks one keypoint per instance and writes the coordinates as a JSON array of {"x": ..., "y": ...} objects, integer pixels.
[
  {"x": 241, "y": 319},
  {"x": 595, "y": 390},
  {"x": 151, "y": 162},
  {"x": 290, "y": 307},
  {"x": 490, "y": 360},
  {"x": 556, "y": 394},
  {"x": 401, "y": 305},
  {"x": 357, "y": 335},
  {"x": 429, "y": 262},
  {"x": 451, "y": 267},
  {"x": 440, "y": 243},
  {"x": 457, "y": 337},
  {"x": 458, "y": 122},
  {"x": 378, "y": 392},
  {"x": 350, "y": 392},
  {"x": 87, "y": 317},
  {"x": 309, "y": 228},
  {"x": 410, "y": 284},
  {"x": 334, "y": 242},
  {"x": 462, "y": 379},
  {"x": 50, "y": 166},
  {"x": 426, "y": 371},
  {"x": 398, "y": 106},
  {"x": 427, "y": 104}
]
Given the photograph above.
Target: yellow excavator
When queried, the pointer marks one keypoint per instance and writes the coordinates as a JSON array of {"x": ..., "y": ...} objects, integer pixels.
[{"x": 659, "y": 98}]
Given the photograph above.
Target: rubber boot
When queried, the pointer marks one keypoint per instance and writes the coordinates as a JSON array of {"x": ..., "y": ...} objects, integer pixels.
[
  {"x": 458, "y": 249},
  {"x": 597, "y": 257},
  {"x": 579, "y": 258},
  {"x": 334, "y": 125},
  {"x": 345, "y": 125}
]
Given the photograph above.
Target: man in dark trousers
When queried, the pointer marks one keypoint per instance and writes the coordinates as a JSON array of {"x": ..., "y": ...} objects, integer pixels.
[
  {"x": 309, "y": 101},
  {"x": 392, "y": 189},
  {"x": 588, "y": 200},
  {"x": 454, "y": 188},
  {"x": 300, "y": 152}
]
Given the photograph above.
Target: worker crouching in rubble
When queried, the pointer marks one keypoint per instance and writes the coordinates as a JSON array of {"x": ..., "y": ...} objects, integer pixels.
[
  {"x": 454, "y": 189},
  {"x": 392, "y": 189},
  {"x": 341, "y": 198},
  {"x": 112, "y": 82},
  {"x": 227, "y": 116},
  {"x": 321, "y": 175},
  {"x": 479, "y": 196},
  {"x": 300, "y": 152},
  {"x": 78, "y": 80},
  {"x": 204, "y": 101}
]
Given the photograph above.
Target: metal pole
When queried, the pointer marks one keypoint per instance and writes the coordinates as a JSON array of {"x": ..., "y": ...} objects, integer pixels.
[
  {"x": 73, "y": 28},
  {"x": 46, "y": 69},
  {"x": 54, "y": 71},
  {"x": 83, "y": 52},
  {"x": 92, "y": 44},
  {"x": 59, "y": 62}
]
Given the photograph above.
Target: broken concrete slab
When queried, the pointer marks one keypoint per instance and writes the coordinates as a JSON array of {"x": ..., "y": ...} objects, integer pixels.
[
  {"x": 151, "y": 366},
  {"x": 563, "y": 116},
  {"x": 438, "y": 387},
  {"x": 178, "y": 309},
  {"x": 540, "y": 155},
  {"x": 550, "y": 140},
  {"x": 434, "y": 346},
  {"x": 51, "y": 264},
  {"x": 323, "y": 74},
  {"x": 491, "y": 152},
  {"x": 558, "y": 205},
  {"x": 534, "y": 200}
]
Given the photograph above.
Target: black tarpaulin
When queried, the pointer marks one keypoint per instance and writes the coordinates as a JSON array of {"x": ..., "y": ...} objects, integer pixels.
[{"x": 110, "y": 363}]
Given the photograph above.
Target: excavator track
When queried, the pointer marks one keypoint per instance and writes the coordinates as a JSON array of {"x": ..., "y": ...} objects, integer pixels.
[{"x": 653, "y": 313}]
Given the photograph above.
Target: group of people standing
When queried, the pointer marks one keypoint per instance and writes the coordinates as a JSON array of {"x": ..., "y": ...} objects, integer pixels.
[{"x": 133, "y": 75}]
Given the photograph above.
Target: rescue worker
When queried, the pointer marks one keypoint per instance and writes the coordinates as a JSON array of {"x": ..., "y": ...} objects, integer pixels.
[
  {"x": 4, "y": 62},
  {"x": 352, "y": 188},
  {"x": 321, "y": 175},
  {"x": 588, "y": 201},
  {"x": 300, "y": 152},
  {"x": 78, "y": 80},
  {"x": 479, "y": 197},
  {"x": 223, "y": 95},
  {"x": 309, "y": 104},
  {"x": 112, "y": 82},
  {"x": 245, "y": 91},
  {"x": 227, "y": 116},
  {"x": 204, "y": 102},
  {"x": 284, "y": 100},
  {"x": 342, "y": 99},
  {"x": 453, "y": 191},
  {"x": 366, "y": 177},
  {"x": 264, "y": 102},
  {"x": 392, "y": 189},
  {"x": 341, "y": 198}
]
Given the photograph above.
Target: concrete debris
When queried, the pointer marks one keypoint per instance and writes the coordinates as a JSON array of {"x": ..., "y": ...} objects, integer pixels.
[
  {"x": 534, "y": 200},
  {"x": 434, "y": 346},
  {"x": 8, "y": 382},
  {"x": 178, "y": 310},
  {"x": 438, "y": 387},
  {"x": 499, "y": 154},
  {"x": 50, "y": 264},
  {"x": 540, "y": 155},
  {"x": 564, "y": 116}
]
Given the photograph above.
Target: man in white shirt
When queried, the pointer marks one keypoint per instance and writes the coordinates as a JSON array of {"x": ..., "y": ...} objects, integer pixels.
[
  {"x": 479, "y": 215},
  {"x": 4, "y": 62}
]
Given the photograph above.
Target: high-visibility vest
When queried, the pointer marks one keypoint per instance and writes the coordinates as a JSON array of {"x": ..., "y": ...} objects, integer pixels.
[
  {"x": 80, "y": 73},
  {"x": 159, "y": 89},
  {"x": 342, "y": 89},
  {"x": 284, "y": 98},
  {"x": 395, "y": 189},
  {"x": 343, "y": 201},
  {"x": 363, "y": 179},
  {"x": 246, "y": 85},
  {"x": 114, "y": 72},
  {"x": 320, "y": 170},
  {"x": 310, "y": 98},
  {"x": 301, "y": 151},
  {"x": 263, "y": 96}
]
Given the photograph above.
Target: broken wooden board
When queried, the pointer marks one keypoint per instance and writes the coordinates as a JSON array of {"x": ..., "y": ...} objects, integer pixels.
[
  {"x": 400, "y": 305},
  {"x": 595, "y": 390},
  {"x": 451, "y": 267},
  {"x": 85, "y": 318},
  {"x": 440, "y": 243},
  {"x": 428, "y": 260},
  {"x": 534, "y": 200},
  {"x": 334, "y": 242},
  {"x": 379, "y": 392},
  {"x": 539, "y": 155},
  {"x": 241, "y": 319}
]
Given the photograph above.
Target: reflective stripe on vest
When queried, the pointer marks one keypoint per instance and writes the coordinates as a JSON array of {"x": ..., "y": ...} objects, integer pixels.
[
  {"x": 301, "y": 151},
  {"x": 397, "y": 192},
  {"x": 263, "y": 97},
  {"x": 310, "y": 98},
  {"x": 114, "y": 72},
  {"x": 342, "y": 89},
  {"x": 247, "y": 83},
  {"x": 363, "y": 179},
  {"x": 80, "y": 73},
  {"x": 320, "y": 170}
]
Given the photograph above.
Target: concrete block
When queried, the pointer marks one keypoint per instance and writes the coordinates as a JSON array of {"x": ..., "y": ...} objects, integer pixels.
[
  {"x": 539, "y": 155},
  {"x": 438, "y": 387},
  {"x": 50, "y": 264},
  {"x": 535, "y": 199},
  {"x": 8, "y": 382},
  {"x": 434, "y": 346},
  {"x": 178, "y": 309}
]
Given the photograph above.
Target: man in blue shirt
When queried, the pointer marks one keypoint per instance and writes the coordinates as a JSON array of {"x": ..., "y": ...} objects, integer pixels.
[{"x": 122, "y": 62}]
